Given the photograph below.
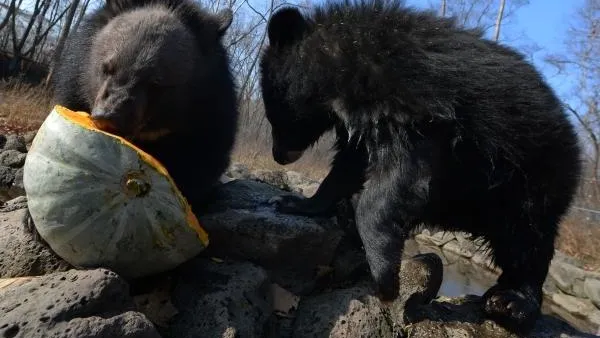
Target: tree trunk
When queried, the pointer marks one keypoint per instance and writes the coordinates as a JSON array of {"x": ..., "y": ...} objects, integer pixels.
[
  {"x": 64, "y": 33},
  {"x": 499, "y": 20},
  {"x": 9, "y": 13}
]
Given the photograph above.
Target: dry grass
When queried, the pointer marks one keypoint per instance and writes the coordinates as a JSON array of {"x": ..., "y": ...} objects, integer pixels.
[
  {"x": 580, "y": 237},
  {"x": 24, "y": 107},
  {"x": 256, "y": 154}
]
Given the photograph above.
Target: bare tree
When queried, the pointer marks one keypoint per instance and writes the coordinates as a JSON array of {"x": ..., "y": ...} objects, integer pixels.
[
  {"x": 9, "y": 13},
  {"x": 479, "y": 13},
  {"x": 581, "y": 61},
  {"x": 64, "y": 33},
  {"x": 499, "y": 20}
]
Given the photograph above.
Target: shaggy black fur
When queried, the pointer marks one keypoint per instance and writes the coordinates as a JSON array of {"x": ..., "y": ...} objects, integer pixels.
[
  {"x": 435, "y": 125},
  {"x": 155, "y": 71}
]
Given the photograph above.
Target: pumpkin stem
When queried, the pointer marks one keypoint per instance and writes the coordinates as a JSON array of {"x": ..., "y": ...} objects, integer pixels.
[{"x": 137, "y": 187}]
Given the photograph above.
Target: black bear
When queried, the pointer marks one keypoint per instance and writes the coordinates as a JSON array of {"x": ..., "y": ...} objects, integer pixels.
[
  {"x": 435, "y": 125},
  {"x": 156, "y": 72}
]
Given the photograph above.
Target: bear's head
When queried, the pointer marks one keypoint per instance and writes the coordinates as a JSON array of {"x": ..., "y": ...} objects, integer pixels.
[
  {"x": 297, "y": 115},
  {"x": 146, "y": 63}
]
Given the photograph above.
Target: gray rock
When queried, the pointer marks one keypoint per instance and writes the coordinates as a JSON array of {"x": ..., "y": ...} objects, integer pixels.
[
  {"x": 14, "y": 204},
  {"x": 423, "y": 238},
  {"x": 7, "y": 176},
  {"x": 301, "y": 184},
  {"x": 276, "y": 178},
  {"x": 462, "y": 317},
  {"x": 483, "y": 259},
  {"x": 568, "y": 277},
  {"x": 238, "y": 171},
  {"x": 355, "y": 312},
  {"x": 11, "y": 183},
  {"x": 20, "y": 254},
  {"x": 420, "y": 280},
  {"x": 93, "y": 303},
  {"x": 17, "y": 186},
  {"x": 295, "y": 178},
  {"x": 15, "y": 142},
  {"x": 462, "y": 250},
  {"x": 29, "y": 136},
  {"x": 219, "y": 300},
  {"x": 348, "y": 313},
  {"x": 442, "y": 237},
  {"x": 591, "y": 287},
  {"x": 241, "y": 225},
  {"x": 12, "y": 158}
]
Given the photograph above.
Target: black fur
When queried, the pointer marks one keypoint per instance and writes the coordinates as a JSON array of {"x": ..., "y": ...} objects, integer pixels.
[
  {"x": 171, "y": 94},
  {"x": 435, "y": 125}
]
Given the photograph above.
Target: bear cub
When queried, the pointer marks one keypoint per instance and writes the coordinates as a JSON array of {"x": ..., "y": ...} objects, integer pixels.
[
  {"x": 156, "y": 73},
  {"x": 435, "y": 125}
]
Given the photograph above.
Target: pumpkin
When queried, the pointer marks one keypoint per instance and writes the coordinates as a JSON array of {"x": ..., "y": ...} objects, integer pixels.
[{"x": 99, "y": 201}]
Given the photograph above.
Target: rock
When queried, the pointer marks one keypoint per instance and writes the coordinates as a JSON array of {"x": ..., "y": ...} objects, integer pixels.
[
  {"x": 569, "y": 278},
  {"x": 243, "y": 226},
  {"x": 29, "y": 136},
  {"x": 347, "y": 313},
  {"x": 12, "y": 158},
  {"x": 441, "y": 238},
  {"x": 219, "y": 300},
  {"x": 484, "y": 260},
  {"x": 307, "y": 190},
  {"x": 420, "y": 280},
  {"x": 20, "y": 253},
  {"x": 295, "y": 178},
  {"x": 592, "y": 290},
  {"x": 573, "y": 305},
  {"x": 17, "y": 186},
  {"x": 7, "y": 176},
  {"x": 282, "y": 179},
  {"x": 462, "y": 317},
  {"x": 302, "y": 184},
  {"x": 454, "y": 247},
  {"x": 423, "y": 238},
  {"x": 276, "y": 178},
  {"x": 14, "y": 204},
  {"x": 15, "y": 142},
  {"x": 11, "y": 182},
  {"x": 93, "y": 303},
  {"x": 355, "y": 312},
  {"x": 238, "y": 171}
]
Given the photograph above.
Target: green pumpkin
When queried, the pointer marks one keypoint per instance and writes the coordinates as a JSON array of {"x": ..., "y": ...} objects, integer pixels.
[{"x": 99, "y": 201}]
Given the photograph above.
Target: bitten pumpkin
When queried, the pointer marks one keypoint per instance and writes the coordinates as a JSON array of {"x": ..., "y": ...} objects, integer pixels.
[{"x": 98, "y": 200}]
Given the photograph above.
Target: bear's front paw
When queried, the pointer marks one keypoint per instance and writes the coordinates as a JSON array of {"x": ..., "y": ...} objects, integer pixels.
[
  {"x": 292, "y": 204},
  {"x": 514, "y": 309}
]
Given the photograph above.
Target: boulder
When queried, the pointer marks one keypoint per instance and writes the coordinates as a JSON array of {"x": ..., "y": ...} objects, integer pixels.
[
  {"x": 93, "y": 303},
  {"x": 219, "y": 299},
  {"x": 21, "y": 254},
  {"x": 243, "y": 226}
]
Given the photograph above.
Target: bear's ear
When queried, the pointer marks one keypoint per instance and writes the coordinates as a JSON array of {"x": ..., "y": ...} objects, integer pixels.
[
  {"x": 286, "y": 26},
  {"x": 224, "y": 18}
]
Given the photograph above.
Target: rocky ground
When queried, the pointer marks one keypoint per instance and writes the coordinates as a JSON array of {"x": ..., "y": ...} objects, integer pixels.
[{"x": 263, "y": 275}]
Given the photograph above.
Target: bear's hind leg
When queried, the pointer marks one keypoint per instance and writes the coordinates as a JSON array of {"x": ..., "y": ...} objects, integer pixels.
[{"x": 524, "y": 255}]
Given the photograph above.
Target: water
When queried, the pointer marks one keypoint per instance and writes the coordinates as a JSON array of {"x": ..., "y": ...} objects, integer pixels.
[{"x": 462, "y": 277}]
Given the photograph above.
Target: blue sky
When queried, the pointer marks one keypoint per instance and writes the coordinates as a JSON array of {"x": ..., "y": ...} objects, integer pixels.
[{"x": 545, "y": 23}]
